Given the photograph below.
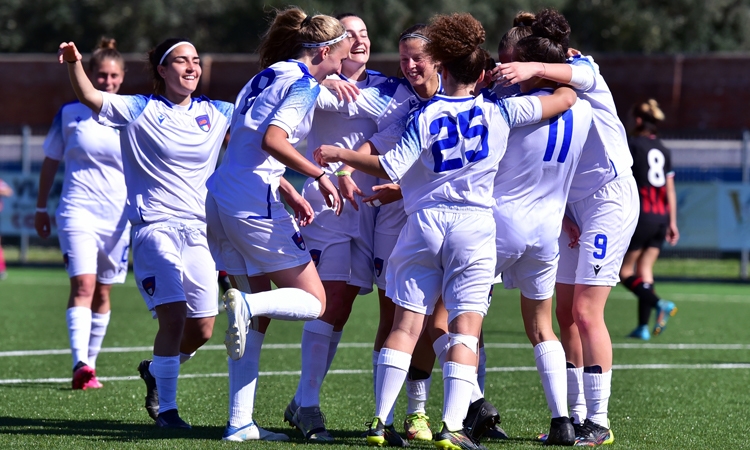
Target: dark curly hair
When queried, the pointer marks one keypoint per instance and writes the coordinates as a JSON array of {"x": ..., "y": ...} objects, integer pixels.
[{"x": 549, "y": 40}]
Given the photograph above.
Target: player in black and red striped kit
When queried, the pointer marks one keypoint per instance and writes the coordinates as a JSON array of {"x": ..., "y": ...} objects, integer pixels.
[{"x": 652, "y": 168}]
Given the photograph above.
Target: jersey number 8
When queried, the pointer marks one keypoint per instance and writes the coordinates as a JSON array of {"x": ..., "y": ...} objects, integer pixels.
[{"x": 258, "y": 83}]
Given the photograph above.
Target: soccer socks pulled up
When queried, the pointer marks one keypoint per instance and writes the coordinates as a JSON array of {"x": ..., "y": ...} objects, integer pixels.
[
  {"x": 79, "y": 332},
  {"x": 166, "y": 369},
  {"x": 550, "y": 363},
  {"x": 243, "y": 378},
  {"x": 393, "y": 366},
  {"x": 284, "y": 304},
  {"x": 459, "y": 380},
  {"x": 99, "y": 324},
  {"x": 576, "y": 399},
  {"x": 647, "y": 298},
  {"x": 316, "y": 339},
  {"x": 333, "y": 347},
  {"x": 597, "y": 387}
]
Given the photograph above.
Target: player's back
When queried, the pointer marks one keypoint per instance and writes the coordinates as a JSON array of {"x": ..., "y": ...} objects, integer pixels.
[{"x": 534, "y": 177}]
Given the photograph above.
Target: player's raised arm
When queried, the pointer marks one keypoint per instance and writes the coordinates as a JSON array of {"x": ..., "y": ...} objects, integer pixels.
[{"x": 85, "y": 91}]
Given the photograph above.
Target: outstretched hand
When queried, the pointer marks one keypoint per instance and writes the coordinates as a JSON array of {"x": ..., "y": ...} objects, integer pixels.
[{"x": 67, "y": 52}]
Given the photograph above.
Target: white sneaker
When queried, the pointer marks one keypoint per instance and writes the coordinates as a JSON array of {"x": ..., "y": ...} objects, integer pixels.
[
  {"x": 251, "y": 432},
  {"x": 239, "y": 319}
]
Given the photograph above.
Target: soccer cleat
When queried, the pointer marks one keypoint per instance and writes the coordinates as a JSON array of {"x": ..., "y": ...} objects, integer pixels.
[
  {"x": 481, "y": 417},
  {"x": 170, "y": 419},
  {"x": 240, "y": 321},
  {"x": 393, "y": 438},
  {"x": 251, "y": 432},
  {"x": 93, "y": 383},
  {"x": 417, "y": 427},
  {"x": 152, "y": 395},
  {"x": 561, "y": 432},
  {"x": 376, "y": 434},
  {"x": 576, "y": 431},
  {"x": 311, "y": 422},
  {"x": 664, "y": 310},
  {"x": 82, "y": 375},
  {"x": 291, "y": 408},
  {"x": 641, "y": 332},
  {"x": 456, "y": 440},
  {"x": 496, "y": 433},
  {"x": 591, "y": 434}
]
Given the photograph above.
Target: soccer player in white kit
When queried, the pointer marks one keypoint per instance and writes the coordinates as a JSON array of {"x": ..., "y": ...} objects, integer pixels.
[
  {"x": 531, "y": 190},
  {"x": 446, "y": 162},
  {"x": 251, "y": 235},
  {"x": 170, "y": 144},
  {"x": 602, "y": 213},
  {"x": 94, "y": 232},
  {"x": 387, "y": 102}
]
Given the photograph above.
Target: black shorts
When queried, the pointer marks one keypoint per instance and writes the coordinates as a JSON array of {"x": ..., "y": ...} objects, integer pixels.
[{"x": 648, "y": 234}]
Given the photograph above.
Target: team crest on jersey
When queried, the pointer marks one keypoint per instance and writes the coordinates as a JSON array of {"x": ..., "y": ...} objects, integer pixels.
[
  {"x": 315, "y": 255},
  {"x": 203, "y": 122},
  {"x": 149, "y": 285},
  {"x": 65, "y": 260},
  {"x": 297, "y": 238},
  {"x": 378, "y": 266}
]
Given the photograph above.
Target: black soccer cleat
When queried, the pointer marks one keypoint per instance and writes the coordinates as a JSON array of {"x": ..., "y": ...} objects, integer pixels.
[
  {"x": 481, "y": 417},
  {"x": 152, "y": 395}
]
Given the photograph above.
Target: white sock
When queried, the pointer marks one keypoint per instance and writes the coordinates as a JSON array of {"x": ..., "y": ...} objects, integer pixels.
[
  {"x": 440, "y": 346},
  {"x": 332, "y": 347},
  {"x": 79, "y": 331},
  {"x": 184, "y": 357},
  {"x": 597, "y": 388},
  {"x": 99, "y": 323},
  {"x": 550, "y": 363},
  {"x": 393, "y": 366},
  {"x": 166, "y": 369},
  {"x": 418, "y": 391},
  {"x": 481, "y": 369},
  {"x": 316, "y": 339},
  {"x": 284, "y": 304},
  {"x": 576, "y": 399},
  {"x": 458, "y": 381},
  {"x": 243, "y": 379}
]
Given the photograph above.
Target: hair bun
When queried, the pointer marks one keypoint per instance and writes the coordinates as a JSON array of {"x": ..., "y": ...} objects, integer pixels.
[
  {"x": 552, "y": 25},
  {"x": 107, "y": 43},
  {"x": 524, "y": 19},
  {"x": 651, "y": 107}
]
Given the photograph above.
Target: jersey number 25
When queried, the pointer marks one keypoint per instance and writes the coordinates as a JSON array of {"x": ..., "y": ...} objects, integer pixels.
[{"x": 458, "y": 127}]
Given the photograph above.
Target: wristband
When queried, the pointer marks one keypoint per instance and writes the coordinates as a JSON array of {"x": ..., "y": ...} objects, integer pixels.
[
  {"x": 71, "y": 62},
  {"x": 343, "y": 173},
  {"x": 319, "y": 176},
  {"x": 41, "y": 210}
]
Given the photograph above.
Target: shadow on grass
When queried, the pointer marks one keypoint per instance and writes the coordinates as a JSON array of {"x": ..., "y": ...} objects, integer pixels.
[{"x": 112, "y": 430}]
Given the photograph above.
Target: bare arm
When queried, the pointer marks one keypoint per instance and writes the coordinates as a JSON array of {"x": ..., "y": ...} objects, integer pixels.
[
  {"x": 275, "y": 143},
  {"x": 302, "y": 210},
  {"x": 85, "y": 91},
  {"x": 562, "y": 100},
  {"x": 362, "y": 159},
  {"x": 673, "y": 234},
  {"x": 46, "y": 178}
]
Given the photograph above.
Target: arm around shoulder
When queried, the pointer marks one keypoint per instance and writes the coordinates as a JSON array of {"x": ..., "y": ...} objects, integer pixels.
[{"x": 562, "y": 100}]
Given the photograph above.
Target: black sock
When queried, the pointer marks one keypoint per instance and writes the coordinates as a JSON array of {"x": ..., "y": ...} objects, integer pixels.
[
  {"x": 592, "y": 369},
  {"x": 417, "y": 374},
  {"x": 647, "y": 299}
]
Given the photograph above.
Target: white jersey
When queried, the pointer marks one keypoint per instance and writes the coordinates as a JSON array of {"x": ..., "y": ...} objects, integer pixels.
[
  {"x": 246, "y": 184},
  {"x": 93, "y": 181},
  {"x": 168, "y": 152},
  {"x": 533, "y": 179},
  {"x": 450, "y": 150},
  {"x": 606, "y": 154}
]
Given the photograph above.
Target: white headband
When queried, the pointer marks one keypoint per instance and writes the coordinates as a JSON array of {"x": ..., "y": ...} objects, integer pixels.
[
  {"x": 172, "y": 48},
  {"x": 416, "y": 36},
  {"x": 323, "y": 44}
]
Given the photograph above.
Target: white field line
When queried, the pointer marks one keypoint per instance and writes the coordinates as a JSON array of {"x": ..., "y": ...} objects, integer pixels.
[
  {"x": 367, "y": 345},
  {"x": 369, "y": 371}
]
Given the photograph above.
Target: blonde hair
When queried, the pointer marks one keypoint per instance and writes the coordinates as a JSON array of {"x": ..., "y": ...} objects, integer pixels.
[
  {"x": 290, "y": 29},
  {"x": 106, "y": 49},
  {"x": 650, "y": 115}
]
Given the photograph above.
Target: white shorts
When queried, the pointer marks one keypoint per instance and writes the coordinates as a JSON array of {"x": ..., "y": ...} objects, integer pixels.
[
  {"x": 383, "y": 248},
  {"x": 172, "y": 263},
  {"x": 607, "y": 220},
  {"x": 535, "y": 278},
  {"x": 444, "y": 252},
  {"x": 340, "y": 246},
  {"x": 88, "y": 249},
  {"x": 253, "y": 246}
]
